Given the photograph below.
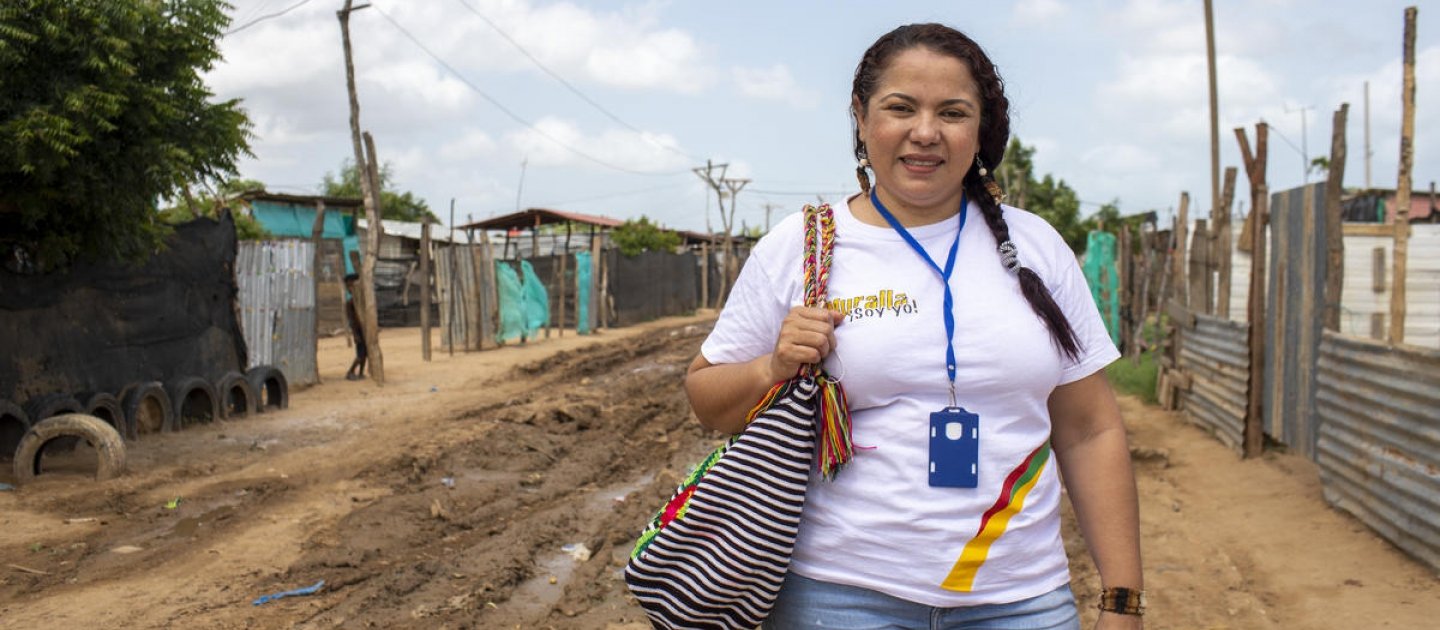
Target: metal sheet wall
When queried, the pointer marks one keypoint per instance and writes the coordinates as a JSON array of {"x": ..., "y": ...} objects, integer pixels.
[
  {"x": 1379, "y": 445},
  {"x": 1215, "y": 354},
  {"x": 277, "y": 306},
  {"x": 1295, "y": 306}
]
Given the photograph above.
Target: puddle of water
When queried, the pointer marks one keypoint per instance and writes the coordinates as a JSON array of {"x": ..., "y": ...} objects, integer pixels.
[{"x": 537, "y": 595}]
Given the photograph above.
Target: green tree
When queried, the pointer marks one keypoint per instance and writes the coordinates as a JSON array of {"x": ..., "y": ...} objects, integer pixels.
[
  {"x": 211, "y": 203},
  {"x": 1048, "y": 196},
  {"x": 636, "y": 236},
  {"x": 102, "y": 113},
  {"x": 393, "y": 205}
]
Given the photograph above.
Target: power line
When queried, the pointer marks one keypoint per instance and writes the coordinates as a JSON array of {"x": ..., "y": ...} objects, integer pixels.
[
  {"x": 802, "y": 193},
  {"x": 506, "y": 110},
  {"x": 569, "y": 85},
  {"x": 262, "y": 18}
]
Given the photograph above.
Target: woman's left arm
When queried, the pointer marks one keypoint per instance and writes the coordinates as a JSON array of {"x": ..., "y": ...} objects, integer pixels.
[{"x": 1089, "y": 440}]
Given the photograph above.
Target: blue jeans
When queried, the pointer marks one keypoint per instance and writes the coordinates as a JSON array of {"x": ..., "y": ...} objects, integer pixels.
[{"x": 805, "y": 603}]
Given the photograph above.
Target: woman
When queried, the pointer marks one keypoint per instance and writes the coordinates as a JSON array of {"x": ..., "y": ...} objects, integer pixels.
[{"x": 959, "y": 530}]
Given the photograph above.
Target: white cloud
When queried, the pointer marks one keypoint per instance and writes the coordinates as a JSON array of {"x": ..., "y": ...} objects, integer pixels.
[
  {"x": 773, "y": 83},
  {"x": 471, "y": 144},
  {"x": 1039, "y": 11},
  {"x": 546, "y": 145}
]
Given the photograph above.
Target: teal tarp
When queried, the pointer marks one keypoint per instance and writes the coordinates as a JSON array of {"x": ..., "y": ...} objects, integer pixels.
[
  {"x": 537, "y": 300},
  {"x": 1104, "y": 284},
  {"x": 582, "y": 292},
  {"x": 294, "y": 221},
  {"x": 512, "y": 303}
]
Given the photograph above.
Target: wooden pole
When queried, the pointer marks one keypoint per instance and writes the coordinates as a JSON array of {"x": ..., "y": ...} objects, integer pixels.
[
  {"x": 1199, "y": 276},
  {"x": 317, "y": 230},
  {"x": 425, "y": 290},
  {"x": 1259, "y": 205},
  {"x": 1181, "y": 266},
  {"x": 367, "y": 266},
  {"x": 1402, "y": 189},
  {"x": 1334, "y": 222},
  {"x": 704, "y": 275},
  {"x": 372, "y": 255},
  {"x": 454, "y": 267},
  {"x": 1215, "y": 206},
  {"x": 1223, "y": 243}
]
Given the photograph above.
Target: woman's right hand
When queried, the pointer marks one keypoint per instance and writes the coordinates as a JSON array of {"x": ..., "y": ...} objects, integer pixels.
[{"x": 807, "y": 335}]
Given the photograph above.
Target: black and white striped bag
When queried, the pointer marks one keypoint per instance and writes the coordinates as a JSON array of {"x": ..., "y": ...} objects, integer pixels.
[
  {"x": 716, "y": 554},
  {"x": 720, "y": 562}
]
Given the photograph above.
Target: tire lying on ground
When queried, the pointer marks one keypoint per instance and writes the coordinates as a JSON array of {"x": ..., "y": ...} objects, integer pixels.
[
  {"x": 109, "y": 447},
  {"x": 147, "y": 408},
  {"x": 193, "y": 400},
  {"x": 49, "y": 405},
  {"x": 272, "y": 391},
  {"x": 107, "y": 407},
  {"x": 14, "y": 422},
  {"x": 237, "y": 396}
]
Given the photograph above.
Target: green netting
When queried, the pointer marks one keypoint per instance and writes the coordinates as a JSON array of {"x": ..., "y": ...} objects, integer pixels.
[
  {"x": 1104, "y": 285},
  {"x": 512, "y": 302},
  {"x": 537, "y": 300},
  {"x": 582, "y": 292}
]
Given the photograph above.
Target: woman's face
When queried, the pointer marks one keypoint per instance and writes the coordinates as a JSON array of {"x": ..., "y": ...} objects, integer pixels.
[{"x": 921, "y": 130}]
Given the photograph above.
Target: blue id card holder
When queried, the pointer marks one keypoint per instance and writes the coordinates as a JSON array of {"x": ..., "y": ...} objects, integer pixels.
[{"x": 954, "y": 448}]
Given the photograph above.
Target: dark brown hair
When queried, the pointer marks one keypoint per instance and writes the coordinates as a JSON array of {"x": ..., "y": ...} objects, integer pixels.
[{"x": 994, "y": 134}]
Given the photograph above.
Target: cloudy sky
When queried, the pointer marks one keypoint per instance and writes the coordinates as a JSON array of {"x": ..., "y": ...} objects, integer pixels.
[{"x": 603, "y": 107}]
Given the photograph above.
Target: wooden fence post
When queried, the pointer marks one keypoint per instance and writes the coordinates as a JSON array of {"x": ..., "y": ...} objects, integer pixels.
[
  {"x": 1259, "y": 205},
  {"x": 1224, "y": 237},
  {"x": 317, "y": 230},
  {"x": 1402, "y": 189},
  {"x": 425, "y": 290}
]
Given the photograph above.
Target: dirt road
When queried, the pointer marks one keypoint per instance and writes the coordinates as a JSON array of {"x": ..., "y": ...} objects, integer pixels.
[{"x": 503, "y": 489}]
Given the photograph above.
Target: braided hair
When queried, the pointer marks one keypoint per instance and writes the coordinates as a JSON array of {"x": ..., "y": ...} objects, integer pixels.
[{"x": 994, "y": 135}]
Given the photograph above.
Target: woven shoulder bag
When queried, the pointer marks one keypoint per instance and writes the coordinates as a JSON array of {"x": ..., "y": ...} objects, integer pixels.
[{"x": 715, "y": 554}]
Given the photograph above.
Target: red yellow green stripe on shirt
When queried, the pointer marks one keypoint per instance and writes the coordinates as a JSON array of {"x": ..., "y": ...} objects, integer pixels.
[{"x": 1011, "y": 500}]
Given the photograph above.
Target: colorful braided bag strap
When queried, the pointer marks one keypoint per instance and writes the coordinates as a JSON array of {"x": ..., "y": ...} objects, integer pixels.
[{"x": 835, "y": 447}]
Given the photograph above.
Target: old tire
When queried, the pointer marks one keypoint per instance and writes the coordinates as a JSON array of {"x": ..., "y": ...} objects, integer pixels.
[
  {"x": 42, "y": 407},
  {"x": 107, "y": 407},
  {"x": 109, "y": 447},
  {"x": 194, "y": 401},
  {"x": 237, "y": 396},
  {"x": 272, "y": 390},
  {"x": 147, "y": 408},
  {"x": 50, "y": 405},
  {"x": 14, "y": 422}
]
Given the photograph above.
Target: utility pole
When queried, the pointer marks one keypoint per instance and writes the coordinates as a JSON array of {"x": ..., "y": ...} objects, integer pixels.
[
  {"x": 1214, "y": 117},
  {"x": 733, "y": 186},
  {"x": 372, "y": 207},
  {"x": 1368, "y": 152},
  {"x": 768, "y": 207},
  {"x": 707, "y": 173},
  {"x": 518, "y": 189},
  {"x": 1304, "y": 140}
]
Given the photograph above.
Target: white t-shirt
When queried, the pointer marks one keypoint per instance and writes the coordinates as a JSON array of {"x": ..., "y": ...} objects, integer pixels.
[{"x": 880, "y": 525}]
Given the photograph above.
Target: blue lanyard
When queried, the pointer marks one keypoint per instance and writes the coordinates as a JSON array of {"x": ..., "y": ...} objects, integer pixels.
[{"x": 944, "y": 277}]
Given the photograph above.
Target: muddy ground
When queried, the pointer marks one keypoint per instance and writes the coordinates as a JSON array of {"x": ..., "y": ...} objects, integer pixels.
[{"x": 503, "y": 489}]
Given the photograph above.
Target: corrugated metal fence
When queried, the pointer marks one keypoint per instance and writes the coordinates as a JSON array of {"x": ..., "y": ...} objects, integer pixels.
[
  {"x": 1379, "y": 444},
  {"x": 1215, "y": 354},
  {"x": 277, "y": 306}
]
